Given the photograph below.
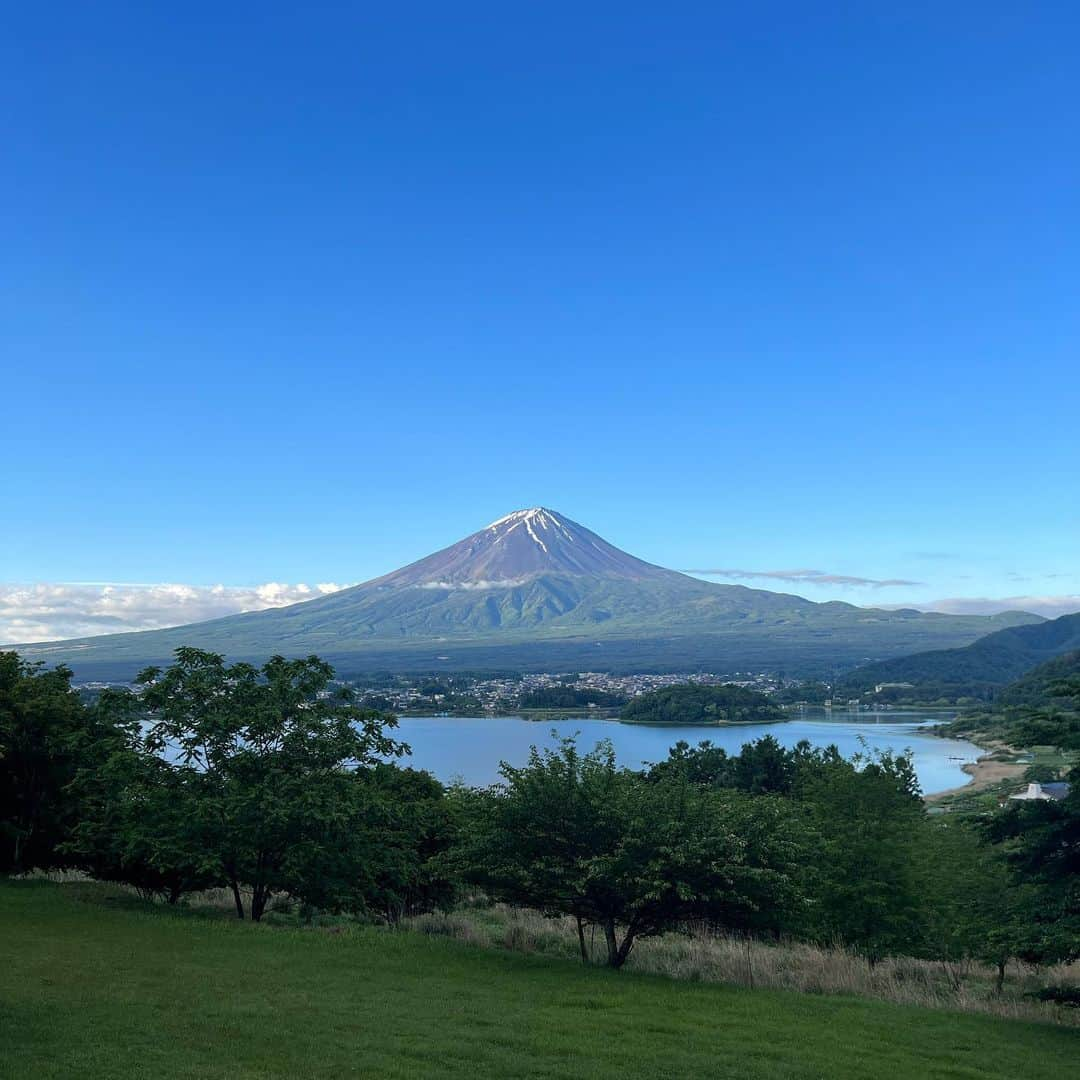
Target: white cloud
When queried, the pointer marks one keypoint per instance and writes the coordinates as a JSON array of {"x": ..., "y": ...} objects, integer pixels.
[
  {"x": 498, "y": 583},
  {"x": 48, "y": 612},
  {"x": 808, "y": 577}
]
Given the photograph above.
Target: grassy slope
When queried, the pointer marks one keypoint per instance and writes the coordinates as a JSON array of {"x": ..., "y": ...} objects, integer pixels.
[{"x": 92, "y": 991}]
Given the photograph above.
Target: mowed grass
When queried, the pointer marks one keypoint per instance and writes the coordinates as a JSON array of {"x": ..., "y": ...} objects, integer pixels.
[{"x": 98, "y": 987}]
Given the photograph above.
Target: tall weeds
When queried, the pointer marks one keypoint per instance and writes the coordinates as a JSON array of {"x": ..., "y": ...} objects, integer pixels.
[{"x": 701, "y": 956}]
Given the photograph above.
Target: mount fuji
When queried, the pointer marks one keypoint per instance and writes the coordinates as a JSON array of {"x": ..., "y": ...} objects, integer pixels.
[{"x": 537, "y": 591}]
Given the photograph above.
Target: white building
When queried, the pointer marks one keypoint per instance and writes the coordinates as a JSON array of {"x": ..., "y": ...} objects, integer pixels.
[{"x": 1038, "y": 793}]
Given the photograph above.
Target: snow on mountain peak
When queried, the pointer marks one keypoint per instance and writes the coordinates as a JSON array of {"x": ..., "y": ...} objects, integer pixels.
[
  {"x": 517, "y": 546},
  {"x": 538, "y": 514}
]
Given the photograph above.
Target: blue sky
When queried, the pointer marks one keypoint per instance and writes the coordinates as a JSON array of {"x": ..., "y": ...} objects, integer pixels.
[{"x": 300, "y": 295}]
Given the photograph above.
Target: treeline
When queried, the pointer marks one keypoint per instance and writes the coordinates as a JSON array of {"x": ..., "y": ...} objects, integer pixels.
[
  {"x": 699, "y": 703},
  {"x": 268, "y": 782},
  {"x": 569, "y": 697},
  {"x": 274, "y": 785}
]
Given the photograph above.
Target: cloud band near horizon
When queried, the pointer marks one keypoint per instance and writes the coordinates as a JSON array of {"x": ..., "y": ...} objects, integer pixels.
[
  {"x": 807, "y": 577},
  {"x": 50, "y": 612}
]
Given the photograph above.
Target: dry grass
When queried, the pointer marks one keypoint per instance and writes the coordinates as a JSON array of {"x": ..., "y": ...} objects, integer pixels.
[{"x": 702, "y": 956}]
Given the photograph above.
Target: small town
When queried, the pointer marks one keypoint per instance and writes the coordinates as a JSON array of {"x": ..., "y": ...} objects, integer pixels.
[{"x": 428, "y": 694}]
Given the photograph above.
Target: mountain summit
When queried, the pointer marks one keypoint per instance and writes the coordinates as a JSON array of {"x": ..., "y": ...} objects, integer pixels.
[
  {"x": 520, "y": 546},
  {"x": 537, "y": 591}
]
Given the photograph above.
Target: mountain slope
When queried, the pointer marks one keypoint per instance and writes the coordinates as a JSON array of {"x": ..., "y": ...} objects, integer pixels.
[
  {"x": 989, "y": 663},
  {"x": 519, "y": 546},
  {"x": 1034, "y": 687},
  {"x": 537, "y": 583}
]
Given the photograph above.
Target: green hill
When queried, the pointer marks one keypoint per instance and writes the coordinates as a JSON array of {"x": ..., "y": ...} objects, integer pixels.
[
  {"x": 95, "y": 990},
  {"x": 1034, "y": 688},
  {"x": 694, "y": 703},
  {"x": 977, "y": 670}
]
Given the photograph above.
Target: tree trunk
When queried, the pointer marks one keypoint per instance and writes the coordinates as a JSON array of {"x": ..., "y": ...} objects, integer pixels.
[
  {"x": 581, "y": 940},
  {"x": 612, "y": 943},
  {"x": 617, "y": 954},
  {"x": 999, "y": 984},
  {"x": 238, "y": 900},
  {"x": 259, "y": 897}
]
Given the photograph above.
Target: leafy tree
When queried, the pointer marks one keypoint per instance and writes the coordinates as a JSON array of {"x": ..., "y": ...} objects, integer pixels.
[
  {"x": 573, "y": 834},
  {"x": 761, "y": 767},
  {"x": 969, "y": 910},
  {"x": 869, "y": 815},
  {"x": 1042, "y": 845},
  {"x": 764, "y": 766},
  {"x": 703, "y": 764},
  {"x": 273, "y": 760},
  {"x": 141, "y": 820},
  {"x": 392, "y": 859},
  {"x": 40, "y": 714}
]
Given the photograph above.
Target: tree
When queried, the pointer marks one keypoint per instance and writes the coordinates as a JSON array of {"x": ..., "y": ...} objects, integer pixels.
[
  {"x": 703, "y": 764},
  {"x": 141, "y": 820},
  {"x": 699, "y": 703},
  {"x": 390, "y": 857},
  {"x": 970, "y": 910},
  {"x": 415, "y": 832},
  {"x": 573, "y": 834},
  {"x": 1041, "y": 839},
  {"x": 40, "y": 714},
  {"x": 869, "y": 815},
  {"x": 1042, "y": 847},
  {"x": 761, "y": 767},
  {"x": 273, "y": 760}
]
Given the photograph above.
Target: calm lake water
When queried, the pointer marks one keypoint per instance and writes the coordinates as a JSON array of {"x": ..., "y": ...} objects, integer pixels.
[{"x": 470, "y": 748}]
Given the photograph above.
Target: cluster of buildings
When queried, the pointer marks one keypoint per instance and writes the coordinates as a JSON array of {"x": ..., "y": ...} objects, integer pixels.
[{"x": 414, "y": 694}]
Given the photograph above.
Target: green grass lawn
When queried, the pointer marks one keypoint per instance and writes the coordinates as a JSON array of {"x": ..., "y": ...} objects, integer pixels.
[{"x": 99, "y": 987}]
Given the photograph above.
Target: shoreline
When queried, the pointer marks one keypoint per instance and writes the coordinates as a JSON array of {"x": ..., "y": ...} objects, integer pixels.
[{"x": 986, "y": 771}]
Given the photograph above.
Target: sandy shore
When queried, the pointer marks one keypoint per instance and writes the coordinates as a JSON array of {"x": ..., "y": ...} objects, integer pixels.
[{"x": 985, "y": 771}]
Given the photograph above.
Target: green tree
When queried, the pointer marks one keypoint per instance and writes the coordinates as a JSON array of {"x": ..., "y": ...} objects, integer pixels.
[
  {"x": 141, "y": 820},
  {"x": 390, "y": 856},
  {"x": 1041, "y": 839},
  {"x": 869, "y": 815},
  {"x": 703, "y": 764},
  {"x": 40, "y": 715},
  {"x": 274, "y": 761},
  {"x": 1042, "y": 846},
  {"x": 573, "y": 834},
  {"x": 415, "y": 833},
  {"x": 970, "y": 910}
]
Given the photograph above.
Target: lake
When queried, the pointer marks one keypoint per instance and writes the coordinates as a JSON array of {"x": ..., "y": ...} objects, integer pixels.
[{"x": 470, "y": 747}]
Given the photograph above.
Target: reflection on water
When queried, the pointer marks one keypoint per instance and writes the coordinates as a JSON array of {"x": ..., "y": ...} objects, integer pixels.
[{"x": 470, "y": 748}]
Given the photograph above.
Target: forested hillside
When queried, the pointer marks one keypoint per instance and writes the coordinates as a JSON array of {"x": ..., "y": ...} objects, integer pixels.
[{"x": 978, "y": 670}]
